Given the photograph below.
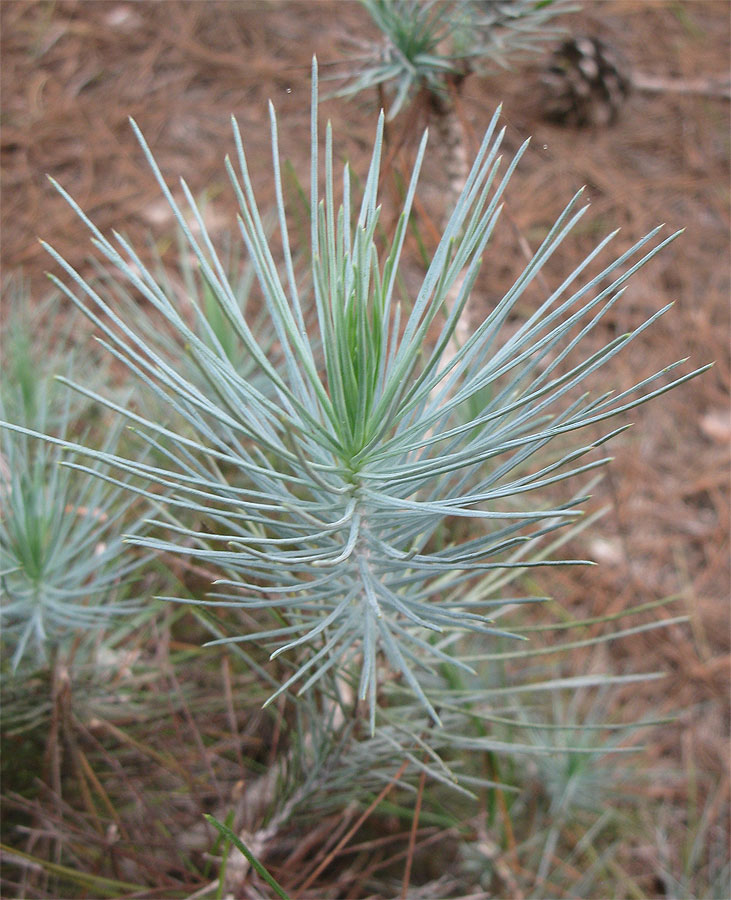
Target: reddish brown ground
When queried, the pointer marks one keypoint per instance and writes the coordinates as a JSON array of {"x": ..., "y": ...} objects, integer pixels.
[{"x": 72, "y": 72}]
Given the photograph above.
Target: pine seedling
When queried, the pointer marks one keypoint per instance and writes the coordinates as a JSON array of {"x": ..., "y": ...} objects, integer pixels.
[
  {"x": 426, "y": 52},
  {"x": 427, "y": 46},
  {"x": 62, "y": 566},
  {"x": 185, "y": 285},
  {"x": 324, "y": 495}
]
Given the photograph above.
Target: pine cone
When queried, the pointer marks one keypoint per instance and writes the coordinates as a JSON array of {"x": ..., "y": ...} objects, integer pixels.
[{"x": 585, "y": 83}]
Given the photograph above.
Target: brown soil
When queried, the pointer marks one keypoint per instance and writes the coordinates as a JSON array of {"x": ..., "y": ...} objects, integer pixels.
[{"x": 72, "y": 73}]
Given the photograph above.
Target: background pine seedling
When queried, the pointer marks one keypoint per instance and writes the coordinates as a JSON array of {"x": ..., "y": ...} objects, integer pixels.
[
  {"x": 426, "y": 52},
  {"x": 430, "y": 47},
  {"x": 63, "y": 568},
  {"x": 69, "y": 588}
]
